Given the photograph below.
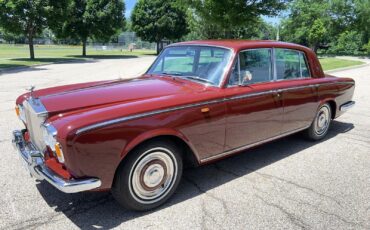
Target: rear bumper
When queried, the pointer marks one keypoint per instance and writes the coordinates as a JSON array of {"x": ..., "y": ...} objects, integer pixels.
[
  {"x": 346, "y": 106},
  {"x": 33, "y": 160}
]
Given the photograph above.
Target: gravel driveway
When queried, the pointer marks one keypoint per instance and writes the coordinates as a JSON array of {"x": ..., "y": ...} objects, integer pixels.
[{"x": 290, "y": 183}]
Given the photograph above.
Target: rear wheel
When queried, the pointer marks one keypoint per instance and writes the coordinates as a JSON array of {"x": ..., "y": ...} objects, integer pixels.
[
  {"x": 149, "y": 176},
  {"x": 320, "y": 125}
]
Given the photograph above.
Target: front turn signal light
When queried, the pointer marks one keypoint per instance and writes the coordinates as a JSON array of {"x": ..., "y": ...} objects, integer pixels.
[
  {"x": 17, "y": 111},
  {"x": 59, "y": 152}
]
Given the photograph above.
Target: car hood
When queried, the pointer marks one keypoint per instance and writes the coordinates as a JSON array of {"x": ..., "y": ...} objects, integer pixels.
[{"x": 100, "y": 94}]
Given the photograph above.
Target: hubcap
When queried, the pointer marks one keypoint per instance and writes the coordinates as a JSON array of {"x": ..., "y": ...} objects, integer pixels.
[
  {"x": 322, "y": 120},
  {"x": 153, "y": 175}
]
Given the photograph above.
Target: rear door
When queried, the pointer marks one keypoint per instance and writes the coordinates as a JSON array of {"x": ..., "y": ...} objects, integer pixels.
[{"x": 297, "y": 89}]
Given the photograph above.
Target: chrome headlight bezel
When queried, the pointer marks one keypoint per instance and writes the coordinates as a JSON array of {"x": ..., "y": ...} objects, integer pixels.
[{"x": 49, "y": 135}]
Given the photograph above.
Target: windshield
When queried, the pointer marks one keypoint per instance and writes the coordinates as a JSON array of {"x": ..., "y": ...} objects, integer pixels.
[{"x": 204, "y": 64}]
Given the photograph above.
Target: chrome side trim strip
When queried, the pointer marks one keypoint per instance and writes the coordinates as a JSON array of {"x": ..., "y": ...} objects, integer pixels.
[
  {"x": 141, "y": 115},
  {"x": 249, "y": 95},
  {"x": 295, "y": 88},
  {"x": 155, "y": 112},
  {"x": 229, "y": 152},
  {"x": 346, "y": 106},
  {"x": 122, "y": 119}
]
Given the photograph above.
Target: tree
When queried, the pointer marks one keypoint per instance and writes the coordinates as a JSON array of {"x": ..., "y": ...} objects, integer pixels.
[
  {"x": 96, "y": 19},
  {"x": 28, "y": 18},
  {"x": 316, "y": 33},
  {"x": 155, "y": 20},
  {"x": 229, "y": 18},
  {"x": 304, "y": 24},
  {"x": 348, "y": 42},
  {"x": 362, "y": 21},
  {"x": 321, "y": 23}
]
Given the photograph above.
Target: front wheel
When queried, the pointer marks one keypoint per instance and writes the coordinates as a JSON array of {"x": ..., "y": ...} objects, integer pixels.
[
  {"x": 149, "y": 176},
  {"x": 320, "y": 125}
]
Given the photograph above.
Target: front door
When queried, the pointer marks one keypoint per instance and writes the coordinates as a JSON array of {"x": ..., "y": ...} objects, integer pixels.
[{"x": 254, "y": 107}]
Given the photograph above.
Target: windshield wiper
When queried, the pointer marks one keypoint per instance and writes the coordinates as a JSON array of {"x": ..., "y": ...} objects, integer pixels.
[
  {"x": 200, "y": 79},
  {"x": 171, "y": 73}
]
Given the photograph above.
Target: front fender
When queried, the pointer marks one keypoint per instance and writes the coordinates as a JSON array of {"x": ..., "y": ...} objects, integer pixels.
[{"x": 153, "y": 134}]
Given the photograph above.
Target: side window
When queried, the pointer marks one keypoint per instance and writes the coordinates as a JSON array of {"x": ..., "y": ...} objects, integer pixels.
[
  {"x": 304, "y": 66},
  {"x": 290, "y": 64},
  {"x": 255, "y": 66}
]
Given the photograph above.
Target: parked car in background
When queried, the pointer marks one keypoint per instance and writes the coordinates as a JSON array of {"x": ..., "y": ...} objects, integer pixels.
[{"x": 199, "y": 102}]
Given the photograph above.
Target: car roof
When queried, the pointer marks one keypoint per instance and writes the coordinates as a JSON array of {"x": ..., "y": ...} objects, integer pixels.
[{"x": 244, "y": 44}]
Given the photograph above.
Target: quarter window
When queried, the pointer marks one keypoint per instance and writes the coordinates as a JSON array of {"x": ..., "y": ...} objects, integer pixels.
[
  {"x": 255, "y": 66},
  {"x": 290, "y": 64}
]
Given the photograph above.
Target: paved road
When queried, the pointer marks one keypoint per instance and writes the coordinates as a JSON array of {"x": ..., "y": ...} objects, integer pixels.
[{"x": 290, "y": 183}]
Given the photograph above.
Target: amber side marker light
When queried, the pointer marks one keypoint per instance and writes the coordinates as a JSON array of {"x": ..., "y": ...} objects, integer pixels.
[
  {"x": 204, "y": 110},
  {"x": 58, "y": 151}
]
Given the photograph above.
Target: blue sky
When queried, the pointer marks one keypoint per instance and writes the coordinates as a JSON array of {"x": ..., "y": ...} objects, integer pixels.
[
  {"x": 129, "y": 6},
  {"x": 131, "y": 3}
]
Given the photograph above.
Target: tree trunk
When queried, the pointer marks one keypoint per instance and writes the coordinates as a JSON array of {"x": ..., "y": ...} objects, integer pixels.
[
  {"x": 30, "y": 44},
  {"x": 84, "y": 48},
  {"x": 158, "y": 49},
  {"x": 315, "y": 47}
]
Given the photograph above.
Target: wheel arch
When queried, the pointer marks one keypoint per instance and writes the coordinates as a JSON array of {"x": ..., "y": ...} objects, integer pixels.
[
  {"x": 189, "y": 154},
  {"x": 333, "y": 106}
]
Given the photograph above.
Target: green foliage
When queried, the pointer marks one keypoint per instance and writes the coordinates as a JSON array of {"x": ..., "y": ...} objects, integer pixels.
[
  {"x": 316, "y": 33},
  {"x": 231, "y": 18},
  {"x": 28, "y": 18},
  {"x": 362, "y": 20},
  {"x": 201, "y": 30},
  {"x": 349, "y": 42},
  {"x": 155, "y": 20},
  {"x": 304, "y": 24},
  {"x": 366, "y": 47},
  {"x": 98, "y": 19},
  {"x": 324, "y": 23}
]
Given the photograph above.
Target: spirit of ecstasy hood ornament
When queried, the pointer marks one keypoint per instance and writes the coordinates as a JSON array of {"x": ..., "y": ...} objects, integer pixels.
[{"x": 30, "y": 89}]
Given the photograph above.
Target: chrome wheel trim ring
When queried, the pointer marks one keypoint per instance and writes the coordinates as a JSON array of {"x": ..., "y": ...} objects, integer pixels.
[
  {"x": 322, "y": 120},
  {"x": 153, "y": 175}
]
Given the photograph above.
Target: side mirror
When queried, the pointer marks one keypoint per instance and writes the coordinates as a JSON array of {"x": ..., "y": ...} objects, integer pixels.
[{"x": 245, "y": 77}]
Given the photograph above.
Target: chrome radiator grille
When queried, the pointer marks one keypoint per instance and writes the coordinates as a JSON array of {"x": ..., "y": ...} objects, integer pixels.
[{"x": 35, "y": 114}]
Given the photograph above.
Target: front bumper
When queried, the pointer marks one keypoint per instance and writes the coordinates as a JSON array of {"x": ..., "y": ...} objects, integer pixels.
[{"x": 34, "y": 162}]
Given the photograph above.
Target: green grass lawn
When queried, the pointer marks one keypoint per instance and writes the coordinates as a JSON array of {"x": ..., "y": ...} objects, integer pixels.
[
  {"x": 335, "y": 63},
  {"x": 18, "y": 55}
]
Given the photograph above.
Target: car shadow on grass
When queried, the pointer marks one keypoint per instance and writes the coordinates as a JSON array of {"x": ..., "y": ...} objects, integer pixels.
[{"x": 91, "y": 210}]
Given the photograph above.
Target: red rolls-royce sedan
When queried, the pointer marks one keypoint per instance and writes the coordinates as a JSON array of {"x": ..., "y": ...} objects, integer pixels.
[{"x": 200, "y": 101}]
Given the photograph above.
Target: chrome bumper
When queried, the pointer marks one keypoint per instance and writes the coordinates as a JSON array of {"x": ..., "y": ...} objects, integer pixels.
[
  {"x": 346, "y": 106},
  {"x": 34, "y": 162}
]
